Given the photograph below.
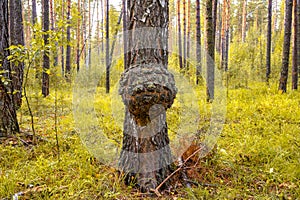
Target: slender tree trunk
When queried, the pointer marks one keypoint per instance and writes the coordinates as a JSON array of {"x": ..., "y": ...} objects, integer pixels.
[
  {"x": 286, "y": 46},
  {"x": 210, "y": 41},
  {"x": 298, "y": 36},
  {"x": 184, "y": 34},
  {"x": 188, "y": 35},
  {"x": 295, "y": 49},
  {"x": 145, "y": 152},
  {"x": 68, "y": 53},
  {"x": 198, "y": 45},
  {"x": 17, "y": 38},
  {"x": 78, "y": 37},
  {"x": 34, "y": 14},
  {"x": 244, "y": 21},
  {"x": 53, "y": 24},
  {"x": 62, "y": 48},
  {"x": 269, "y": 42},
  {"x": 46, "y": 60},
  {"x": 8, "y": 117},
  {"x": 225, "y": 34},
  {"x": 107, "y": 48},
  {"x": 102, "y": 25},
  {"x": 179, "y": 36}
]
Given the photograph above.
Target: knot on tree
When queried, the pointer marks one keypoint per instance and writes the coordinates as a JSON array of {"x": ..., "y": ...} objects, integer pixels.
[{"x": 144, "y": 86}]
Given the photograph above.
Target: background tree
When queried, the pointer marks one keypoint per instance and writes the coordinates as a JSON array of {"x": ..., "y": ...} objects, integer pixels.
[
  {"x": 198, "y": 43},
  {"x": 46, "y": 59},
  {"x": 244, "y": 21},
  {"x": 8, "y": 117},
  {"x": 286, "y": 45},
  {"x": 210, "y": 47},
  {"x": 269, "y": 41},
  {"x": 107, "y": 49},
  {"x": 17, "y": 38},
  {"x": 68, "y": 53},
  {"x": 179, "y": 36},
  {"x": 295, "y": 67}
]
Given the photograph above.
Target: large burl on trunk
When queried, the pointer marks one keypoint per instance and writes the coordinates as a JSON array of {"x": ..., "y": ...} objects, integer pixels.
[{"x": 148, "y": 90}]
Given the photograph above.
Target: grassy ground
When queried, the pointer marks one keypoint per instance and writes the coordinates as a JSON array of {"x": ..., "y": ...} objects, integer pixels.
[{"x": 257, "y": 156}]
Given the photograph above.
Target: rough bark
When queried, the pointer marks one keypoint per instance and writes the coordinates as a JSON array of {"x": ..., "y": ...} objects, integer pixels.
[
  {"x": 147, "y": 89},
  {"x": 244, "y": 21},
  {"x": 124, "y": 32},
  {"x": 225, "y": 34},
  {"x": 107, "y": 49},
  {"x": 295, "y": 49},
  {"x": 68, "y": 53},
  {"x": 46, "y": 59},
  {"x": 198, "y": 45},
  {"x": 210, "y": 48},
  {"x": 8, "y": 116},
  {"x": 184, "y": 34},
  {"x": 269, "y": 42},
  {"x": 179, "y": 36},
  {"x": 188, "y": 34},
  {"x": 78, "y": 37},
  {"x": 34, "y": 14},
  {"x": 286, "y": 46},
  {"x": 17, "y": 38}
]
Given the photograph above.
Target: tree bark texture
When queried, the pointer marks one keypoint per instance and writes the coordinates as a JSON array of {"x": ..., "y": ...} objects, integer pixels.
[
  {"x": 198, "y": 45},
  {"x": 210, "y": 48},
  {"x": 269, "y": 42},
  {"x": 17, "y": 38},
  {"x": 295, "y": 49},
  {"x": 147, "y": 89},
  {"x": 107, "y": 49},
  {"x": 179, "y": 36},
  {"x": 46, "y": 59},
  {"x": 68, "y": 53},
  {"x": 244, "y": 21},
  {"x": 286, "y": 46},
  {"x": 8, "y": 116}
]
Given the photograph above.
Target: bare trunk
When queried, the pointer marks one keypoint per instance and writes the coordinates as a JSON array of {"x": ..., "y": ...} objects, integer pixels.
[
  {"x": 68, "y": 53},
  {"x": 198, "y": 45},
  {"x": 286, "y": 46},
  {"x": 8, "y": 117},
  {"x": 107, "y": 49},
  {"x": 179, "y": 36},
  {"x": 17, "y": 38},
  {"x": 78, "y": 38},
  {"x": 244, "y": 22},
  {"x": 269, "y": 42},
  {"x": 295, "y": 49},
  {"x": 188, "y": 35},
  {"x": 46, "y": 59},
  {"x": 184, "y": 33},
  {"x": 210, "y": 47}
]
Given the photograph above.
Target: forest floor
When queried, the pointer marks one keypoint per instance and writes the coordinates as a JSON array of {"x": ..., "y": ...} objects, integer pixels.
[{"x": 257, "y": 155}]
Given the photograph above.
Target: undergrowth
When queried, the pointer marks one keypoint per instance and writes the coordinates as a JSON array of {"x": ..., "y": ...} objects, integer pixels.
[{"x": 257, "y": 155}]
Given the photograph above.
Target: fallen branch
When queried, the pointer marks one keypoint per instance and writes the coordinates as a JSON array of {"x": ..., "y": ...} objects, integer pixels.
[{"x": 173, "y": 173}]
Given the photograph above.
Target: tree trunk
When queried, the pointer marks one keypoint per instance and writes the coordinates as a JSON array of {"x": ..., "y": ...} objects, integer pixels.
[
  {"x": 46, "y": 59},
  {"x": 286, "y": 46},
  {"x": 68, "y": 53},
  {"x": 184, "y": 33},
  {"x": 145, "y": 152},
  {"x": 125, "y": 34},
  {"x": 53, "y": 24},
  {"x": 78, "y": 37},
  {"x": 179, "y": 36},
  {"x": 62, "y": 48},
  {"x": 269, "y": 42},
  {"x": 298, "y": 36},
  {"x": 8, "y": 117},
  {"x": 210, "y": 47},
  {"x": 188, "y": 35},
  {"x": 17, "y": 38},
  {"x": 295, "y": 49},
  {"x": 225, "y": 34},
  {"x": 107, "y": 49},
  {"x": 34, "y": 14},
  {"x": 244, "y": 21},
  {"x": 198, "y": 45}
]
